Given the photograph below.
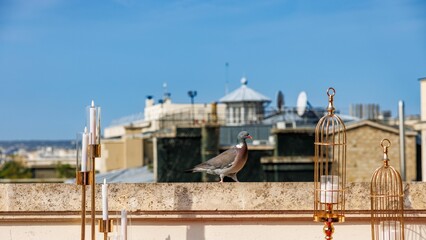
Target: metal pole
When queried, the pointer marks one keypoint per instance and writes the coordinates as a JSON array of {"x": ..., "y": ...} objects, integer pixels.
[
  {"x": 95, "y": 151},
  {"x": 227, "y": 81},
  {"x": 192, "y": 94},
  {"x": 83, "y": 209},
  {"x": 402, "y": 138},
  {"x": 93, "y": 185},
  {"x": 192, "y": 111}
]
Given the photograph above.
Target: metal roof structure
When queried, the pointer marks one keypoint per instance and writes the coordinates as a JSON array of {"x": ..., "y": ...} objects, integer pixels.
[
  {"x": 128, "y": 175},
  {"x": 244, "y": 94}
]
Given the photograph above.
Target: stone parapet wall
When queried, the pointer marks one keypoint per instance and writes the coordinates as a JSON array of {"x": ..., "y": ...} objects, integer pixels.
[
  {"x": 190, "y": 197},
  {"x": 195, "y": 211}
]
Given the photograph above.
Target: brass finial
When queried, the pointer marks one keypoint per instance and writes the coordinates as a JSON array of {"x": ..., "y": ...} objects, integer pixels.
[
  {"x": 385, "y": 143},
  {"x": 330, "y": 92}
]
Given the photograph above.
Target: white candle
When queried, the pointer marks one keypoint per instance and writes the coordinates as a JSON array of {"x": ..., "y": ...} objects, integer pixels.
[
  {"x": 105, "y": 200},
  {"x": 389, "y": 230},
  {"x": 329, "y": 189},
  {"x": 84, "y": 142},
  {"x": 123, "y": 225},
  {"x": 92, "y": 120}
]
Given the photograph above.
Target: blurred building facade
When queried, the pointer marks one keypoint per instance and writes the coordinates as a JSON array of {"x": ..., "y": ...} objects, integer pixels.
[
  {"x": 244, "y": 105},
  {"x": 170, "y": 138},
  {"x": 421, "y": 126},
  {"x": 41, "y": 161}
]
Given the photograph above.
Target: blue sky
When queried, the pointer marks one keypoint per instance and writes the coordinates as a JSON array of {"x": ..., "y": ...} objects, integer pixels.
[{"x": 58, "y": 55}]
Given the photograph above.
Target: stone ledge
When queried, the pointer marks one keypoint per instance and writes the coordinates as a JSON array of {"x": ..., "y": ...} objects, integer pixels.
[
  {"x": 205, "y": 211},
  {"x": 410, "y": 216},
  {"x": 193, "y": 197}
]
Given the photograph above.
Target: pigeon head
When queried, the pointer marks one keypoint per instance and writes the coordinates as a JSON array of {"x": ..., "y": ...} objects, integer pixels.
[{"x": 242, "y": 136}]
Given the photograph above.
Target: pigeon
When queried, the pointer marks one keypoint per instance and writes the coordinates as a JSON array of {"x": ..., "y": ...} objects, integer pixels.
[{"x": 228, "y": 163}]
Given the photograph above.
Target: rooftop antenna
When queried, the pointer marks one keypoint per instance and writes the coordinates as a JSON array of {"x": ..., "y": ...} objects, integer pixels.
[
  {"x": 226, "y": 77},
  {"x": 192, "y": 95},
  {"x": 164, "y": 88},
  {"x": 166, "y": 94}
]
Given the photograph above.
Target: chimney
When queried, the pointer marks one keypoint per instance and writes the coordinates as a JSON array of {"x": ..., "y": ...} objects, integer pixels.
[{"x": 149, "y": 102}]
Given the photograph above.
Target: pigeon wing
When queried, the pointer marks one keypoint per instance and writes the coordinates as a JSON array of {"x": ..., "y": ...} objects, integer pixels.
[{"x": 221, "y": 161}]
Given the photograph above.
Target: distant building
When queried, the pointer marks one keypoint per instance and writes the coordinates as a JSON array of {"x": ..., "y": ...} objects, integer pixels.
[
  {"x": 133, "y": 141},
  {"x": 128, "y": 142},
  {"x": 165, "y": 115},
  {"x": 171, "y": 137},
  {"x": 293, "y": 159},
  {"x": 48, "y": 161},
  {"x": 244, "y": 105},
  {"x": 126, "y": 151},
  {"x": 364, "y": 150},
  {"x": 421, "y": 126},
  {"x": 370, "y": 111},
  {"x": 365, "y": 111},
  {"x": 44, "y": 161}
]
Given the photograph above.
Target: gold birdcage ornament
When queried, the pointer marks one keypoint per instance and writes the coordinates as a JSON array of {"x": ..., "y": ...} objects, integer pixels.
[
  {"x": 330, "y": 169},
  {"x": 387, "y": 201}
]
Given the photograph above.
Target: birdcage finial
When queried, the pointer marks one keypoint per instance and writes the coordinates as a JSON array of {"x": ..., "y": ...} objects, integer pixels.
[
  {"x": 385, "y": 143},
  {"x": 330, "y": 92}
]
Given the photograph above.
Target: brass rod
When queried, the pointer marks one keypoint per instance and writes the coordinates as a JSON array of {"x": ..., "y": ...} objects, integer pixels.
[
  {"x": 82, "y": 178},
  {"x": 93, "y": 207},
  {"x": 83, "y": 211}
]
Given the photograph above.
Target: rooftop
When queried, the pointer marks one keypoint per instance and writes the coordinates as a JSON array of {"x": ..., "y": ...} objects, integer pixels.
[{"x": 244, "y": 94}]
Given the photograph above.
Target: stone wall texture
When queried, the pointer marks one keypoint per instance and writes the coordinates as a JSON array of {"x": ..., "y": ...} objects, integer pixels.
[{"x": 171, "y": 197}]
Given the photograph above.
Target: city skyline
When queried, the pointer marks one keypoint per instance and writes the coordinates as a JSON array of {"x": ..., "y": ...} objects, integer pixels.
[{"x": 56, "y": 56}]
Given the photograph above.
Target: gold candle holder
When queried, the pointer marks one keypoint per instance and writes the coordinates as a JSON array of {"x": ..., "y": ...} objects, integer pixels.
[
  {"x": 82, "y": 179},
  {"x": 82, "y": 175},
  {"x": 105, "y": 226},
  {"x": 88, "y": 149},
  {"x": 94, "y": 152},
  {"x": 387, "y": 200},
  {"x": 330, "y": 169}
]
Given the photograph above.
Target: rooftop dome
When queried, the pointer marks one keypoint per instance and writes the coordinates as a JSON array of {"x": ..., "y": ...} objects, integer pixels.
[{"x": 244, "y": 94}]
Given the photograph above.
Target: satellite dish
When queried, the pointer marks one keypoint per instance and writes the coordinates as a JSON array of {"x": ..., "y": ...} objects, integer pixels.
[
  {"x": 302, "y": 103},
  {"x": 280, "y": 101}
]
